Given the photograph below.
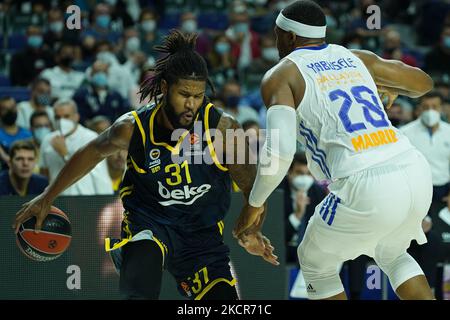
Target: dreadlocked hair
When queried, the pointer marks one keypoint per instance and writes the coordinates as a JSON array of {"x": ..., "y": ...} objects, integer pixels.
[{"x": 181, "y": 61}]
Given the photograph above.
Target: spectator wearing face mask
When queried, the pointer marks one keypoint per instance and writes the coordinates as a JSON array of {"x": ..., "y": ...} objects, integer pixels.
[
  {"x": 132, "y": 57},
  {"x": 64, "y": 80},
  {"x": 220, "y": 61},
  {"x": 431, "y": 136},
  {"x": 148, "y": 27},
  {"x": 40, "y": 126},
  {"x": 437, "y": 61},
  {"x": 60, "y": 145},
  {"x": 40, "y": 101},
  {"x": 269, "y": 57},
  {"x": 27, "y": 64},
  {"x": 20, "y": 179},
  {"x": 129, "y": 44},
  {"x": 96, "y": 98},
  {"x": 189, "y": 24},
  {"x": 119, "y": 76},
  {"x": 301, "y": 196},
  {"x": 57, "y": 33},
  {"x": 245, "y": 42},
  {"x": 100, "y": 27},
  {"x": 9, "y": 130}
]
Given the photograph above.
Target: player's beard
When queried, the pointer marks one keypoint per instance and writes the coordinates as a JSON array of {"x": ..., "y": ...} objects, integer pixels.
[{"x": 175, "y": 119}]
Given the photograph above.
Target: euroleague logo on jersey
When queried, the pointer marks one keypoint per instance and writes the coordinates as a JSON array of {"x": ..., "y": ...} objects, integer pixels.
[
  {"x": 194, "y": 138},
  {"x": 187, "y": 195}
]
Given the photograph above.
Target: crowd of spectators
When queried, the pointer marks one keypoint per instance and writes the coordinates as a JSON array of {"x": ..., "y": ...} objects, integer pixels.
[{"x": 61, "y": 87}]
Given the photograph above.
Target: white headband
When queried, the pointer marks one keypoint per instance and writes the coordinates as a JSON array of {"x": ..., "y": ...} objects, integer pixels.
[{"x": 300, "y": 29}]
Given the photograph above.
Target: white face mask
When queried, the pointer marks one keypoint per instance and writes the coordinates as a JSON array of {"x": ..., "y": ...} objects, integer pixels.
[
  {"x": 270, "y": 54},
  {"x": 133, "y": 44},
  {"x": 430, "y": 117},
  {"x": 40, "y": 133},
  {"x": 189, "y": 26},
  {"x": 65, "y": 126},
  {"x": 303, "y": 182},
  {"x": 148, "y": 25},
  {"x": 107, "y": 57}
]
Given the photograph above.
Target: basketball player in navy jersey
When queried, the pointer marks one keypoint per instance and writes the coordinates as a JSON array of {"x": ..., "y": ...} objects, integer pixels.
[{"x": 174, "y": 210}]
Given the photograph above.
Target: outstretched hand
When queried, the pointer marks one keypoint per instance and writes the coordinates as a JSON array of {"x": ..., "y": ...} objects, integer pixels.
[
  {"x": 38, "y": 207},
  {"x": 259, "y": 245}
]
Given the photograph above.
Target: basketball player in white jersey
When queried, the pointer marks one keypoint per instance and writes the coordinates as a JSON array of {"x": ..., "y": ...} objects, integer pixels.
[{"x": 327, "y": 97}]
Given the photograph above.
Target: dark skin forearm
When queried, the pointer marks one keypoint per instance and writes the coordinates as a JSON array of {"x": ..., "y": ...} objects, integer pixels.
[
  {"x": 243, "y": 174},
  {"x": 83, "y": 161},
  {"x": 396, "y": 75},
  {"x": 115, "y": 138},
  {"x": 86, "y": 158}
]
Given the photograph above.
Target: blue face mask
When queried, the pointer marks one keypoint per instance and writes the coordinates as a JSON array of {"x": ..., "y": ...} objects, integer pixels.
[
  {"x": 40, "y": 133},
  {"x": 103, "y": 20},
  {"x": 148, "y": 25},
  {"x": 241, "y": 27},
  {"x": 222, "y": 47},
  {"x": 100, "y": 79},
  {"x": 447, "y": 42},
  {"x": 189, "y": 26},
  {"x": 56, "y": 26},
  {"x": 35, "y": 41}
]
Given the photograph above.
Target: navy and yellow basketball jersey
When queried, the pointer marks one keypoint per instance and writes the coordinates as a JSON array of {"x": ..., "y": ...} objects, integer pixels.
[{"x": 160, "y": 187}]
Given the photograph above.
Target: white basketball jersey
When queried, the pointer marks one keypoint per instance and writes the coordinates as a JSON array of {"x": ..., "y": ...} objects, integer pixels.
[{"x": 341, "y": 119}]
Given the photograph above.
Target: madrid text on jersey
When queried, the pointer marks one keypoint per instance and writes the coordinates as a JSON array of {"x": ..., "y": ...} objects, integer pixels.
[{"x": 374, "y": 139}]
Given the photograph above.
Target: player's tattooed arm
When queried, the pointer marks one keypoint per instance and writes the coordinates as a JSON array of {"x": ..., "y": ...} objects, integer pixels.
[
  {"x": 240, "y": 160},
  {"x": 241, "y": 164},
  {"x": 236, "y": 155},
  {"x": 115, "y": 138}
]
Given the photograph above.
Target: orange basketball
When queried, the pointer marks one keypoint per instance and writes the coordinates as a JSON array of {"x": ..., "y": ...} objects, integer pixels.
[{"x": 51, "y": 242}]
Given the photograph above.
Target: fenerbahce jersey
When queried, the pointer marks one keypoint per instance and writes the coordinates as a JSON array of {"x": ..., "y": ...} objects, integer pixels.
[
  {"x": 341, "y": 119},
  {"x": 181, "y": 194}
]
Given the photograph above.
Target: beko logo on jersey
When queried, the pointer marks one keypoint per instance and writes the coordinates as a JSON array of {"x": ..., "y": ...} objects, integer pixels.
[{"x": 178, "y": 195}]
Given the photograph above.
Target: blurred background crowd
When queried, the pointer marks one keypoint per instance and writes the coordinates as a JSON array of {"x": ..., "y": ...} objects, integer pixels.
[{"x": 59, "y": 88}]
